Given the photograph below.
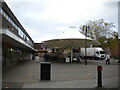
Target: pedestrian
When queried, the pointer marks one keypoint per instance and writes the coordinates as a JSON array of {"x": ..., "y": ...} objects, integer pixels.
[
  {"x": 33, "y": 58},
  {"x": 37, "y": 59},
  {"x": 107, "y": 59},
  {"x": 46, "y": 57}
]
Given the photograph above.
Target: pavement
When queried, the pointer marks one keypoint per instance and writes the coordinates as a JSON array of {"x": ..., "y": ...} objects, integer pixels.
[{"x": 63, "y": 75}]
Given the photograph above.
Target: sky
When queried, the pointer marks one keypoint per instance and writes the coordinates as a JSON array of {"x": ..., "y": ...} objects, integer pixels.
[{"x": 43, "y": 19}]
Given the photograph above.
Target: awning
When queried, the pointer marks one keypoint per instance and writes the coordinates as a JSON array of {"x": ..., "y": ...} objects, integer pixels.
[{"x": 72, "y": 38}]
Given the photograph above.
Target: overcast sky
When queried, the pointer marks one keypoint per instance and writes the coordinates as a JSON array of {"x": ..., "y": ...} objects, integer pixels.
[{"x": 43, "y": 19}]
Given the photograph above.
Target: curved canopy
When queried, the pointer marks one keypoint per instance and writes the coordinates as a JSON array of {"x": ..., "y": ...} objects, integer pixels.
[
  {"x": 72, "y": 34},
  {"x": 70, "y": 38}
]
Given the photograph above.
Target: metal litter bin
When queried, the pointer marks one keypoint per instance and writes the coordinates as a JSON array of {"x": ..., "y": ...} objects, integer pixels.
[{"x": 45, "y": 70}]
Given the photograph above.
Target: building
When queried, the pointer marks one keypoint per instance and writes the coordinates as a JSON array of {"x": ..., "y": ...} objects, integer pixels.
[
  {"x": 115, "y": 50},
  {"x": 17, "y": 45},
  {"x": 40, "y": 49}
]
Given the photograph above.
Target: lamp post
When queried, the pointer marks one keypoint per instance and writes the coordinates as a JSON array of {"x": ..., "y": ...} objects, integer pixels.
[
  {"x": 86, "y": 28},
  {"x": 86, "y": 45}
]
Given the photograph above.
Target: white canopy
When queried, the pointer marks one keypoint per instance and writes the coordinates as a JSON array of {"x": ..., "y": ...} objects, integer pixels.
[
  {"x": 72, "y": 34},
  {"x": 70, "y": 37}
]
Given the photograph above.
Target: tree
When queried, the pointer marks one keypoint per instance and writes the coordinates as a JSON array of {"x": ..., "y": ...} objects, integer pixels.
[
  {"x": 108, "y": 42},
  {"x": 97, "y": 29}
]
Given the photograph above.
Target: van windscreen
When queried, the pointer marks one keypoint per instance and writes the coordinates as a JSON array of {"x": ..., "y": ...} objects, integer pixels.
[{"x": 102, "y": 52}]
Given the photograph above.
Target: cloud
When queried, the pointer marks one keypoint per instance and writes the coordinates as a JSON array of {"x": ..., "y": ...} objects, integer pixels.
[{"x": 44, "y": 19}]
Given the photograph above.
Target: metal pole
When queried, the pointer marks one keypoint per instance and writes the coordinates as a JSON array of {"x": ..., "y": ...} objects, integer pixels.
[
  {"x": 86, "y": 45},
  {"x": 71, "y": 54}
]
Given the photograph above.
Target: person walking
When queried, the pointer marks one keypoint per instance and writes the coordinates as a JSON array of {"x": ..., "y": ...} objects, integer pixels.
[
  {"x": 37, "y": 59},
  {"x": 107, "y": 59},
  {"x": 46, "y": 57}
]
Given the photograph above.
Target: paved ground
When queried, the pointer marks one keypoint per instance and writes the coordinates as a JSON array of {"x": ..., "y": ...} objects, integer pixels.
[{"x": 63, "y": 75}]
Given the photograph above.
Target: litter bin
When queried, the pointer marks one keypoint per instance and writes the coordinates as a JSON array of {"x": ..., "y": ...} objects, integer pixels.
[{"x": 45, "y": 70}]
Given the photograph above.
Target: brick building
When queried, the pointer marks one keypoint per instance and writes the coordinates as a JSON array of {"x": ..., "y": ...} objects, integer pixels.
[
  {"x": 115, "y": 50},
  {"x": 40, "y": 49}
]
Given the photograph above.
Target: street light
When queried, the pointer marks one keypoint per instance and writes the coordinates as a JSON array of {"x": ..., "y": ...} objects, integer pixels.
[
  {"x": 86, "y": 28},
  {"x": 86, "y": 45}
]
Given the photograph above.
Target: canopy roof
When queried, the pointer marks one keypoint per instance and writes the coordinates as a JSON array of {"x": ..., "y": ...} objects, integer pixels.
[
  {"x": 72, "y": 34},
  {"x": 69, "y": 38}
]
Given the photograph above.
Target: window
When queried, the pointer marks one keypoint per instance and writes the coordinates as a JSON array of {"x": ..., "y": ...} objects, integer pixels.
[
  {"x": 30, "y": 43},
  {"x": 4, "y": 14},
  {"x": 7, "y": 17},
  {"x": 102, "y": 52},
  {"x": 24, "y": 36},
  {"x": 16, "y": 26},
  {"x": 20, "y": 32},
  {"x": 10, "y": 21},
  {"x": 97, "y": 52},
  {"x": 13, "y": 24},
  {"x": 0, "y": 10},
  {"x": 27, "y": 39}
]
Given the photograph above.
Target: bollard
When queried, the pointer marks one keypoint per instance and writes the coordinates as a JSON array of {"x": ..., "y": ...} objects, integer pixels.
[{"x": 99, "y": 68}]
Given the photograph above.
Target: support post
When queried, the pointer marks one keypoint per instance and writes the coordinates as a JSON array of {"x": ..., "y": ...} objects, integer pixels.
[{"x": 86, "y": 45}]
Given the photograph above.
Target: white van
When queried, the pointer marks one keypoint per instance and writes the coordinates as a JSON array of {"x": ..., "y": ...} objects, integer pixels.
[{"x": 93, "y": 52}]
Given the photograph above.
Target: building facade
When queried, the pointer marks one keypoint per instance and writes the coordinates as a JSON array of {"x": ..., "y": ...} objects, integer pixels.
[
  {"x": 17, "y": 45},
  {"x": 115, "y": 50},
  {"x": 41, "y": 50}
]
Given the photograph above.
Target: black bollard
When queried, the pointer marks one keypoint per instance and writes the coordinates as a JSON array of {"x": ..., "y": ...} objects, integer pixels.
[{"x": 99, "y": 68}]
